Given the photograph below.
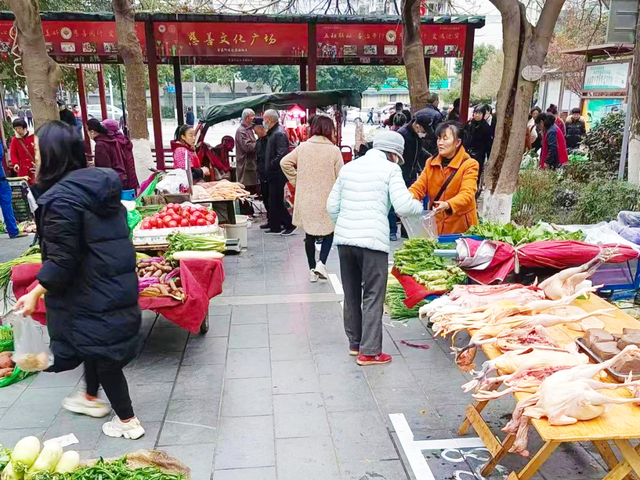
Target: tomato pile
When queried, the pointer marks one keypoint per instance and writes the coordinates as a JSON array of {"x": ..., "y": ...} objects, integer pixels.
[{"x": 174, "y": 215}]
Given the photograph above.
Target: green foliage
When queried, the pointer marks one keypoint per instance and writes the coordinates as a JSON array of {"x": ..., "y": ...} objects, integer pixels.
[
  {"x": 604, "y": 141},
  {"x": 480, "y": 55},
  {"x": 280, "y": 78},
  {"x": 517, "y": 235},
  {"x": 555, "y": 197},
  {"x": 168, "y": 112}
]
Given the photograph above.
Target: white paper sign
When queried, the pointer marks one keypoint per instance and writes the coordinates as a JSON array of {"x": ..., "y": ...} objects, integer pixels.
[{"x": 64, "y": 441}]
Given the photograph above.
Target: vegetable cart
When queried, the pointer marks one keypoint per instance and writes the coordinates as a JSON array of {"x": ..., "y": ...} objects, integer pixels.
[
  {"x": 619, "y": 424},
  {"x": 202, "y": 280}
]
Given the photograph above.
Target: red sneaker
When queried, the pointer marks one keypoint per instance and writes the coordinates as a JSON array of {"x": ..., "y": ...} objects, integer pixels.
[{"x": 377, "y": 360}]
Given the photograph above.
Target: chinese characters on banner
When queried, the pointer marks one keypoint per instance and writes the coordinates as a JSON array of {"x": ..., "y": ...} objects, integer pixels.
[
  {"x": 231, "y": 39},
  {"x": 85, "y": 41},
  {"x": 385, "y": 41}
]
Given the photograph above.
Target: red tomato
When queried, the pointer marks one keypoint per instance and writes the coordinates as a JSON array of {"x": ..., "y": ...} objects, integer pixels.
[
  {"x": 210, "y": 219},
  {"x": 166, "y": 219},
  {"x": 145, "y": 225},
  {"x": 202, "y": 222},
  {"x": 176, "y": 217},
  {"x": 171, "y": 211},
  {"x": 153, "y": 222},
  {"x": 184, "y": 222},
  {"x": 208, "y": 222},
  {"x": 215, "y": 215},
  {"x": 193, "y": 221},
  {"x": 198, "y": 214},
  {"x": 172, "y": 224}
]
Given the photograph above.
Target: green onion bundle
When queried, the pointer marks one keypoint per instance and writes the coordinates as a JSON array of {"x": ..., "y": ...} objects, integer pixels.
[{"x": 179, "y": 242}]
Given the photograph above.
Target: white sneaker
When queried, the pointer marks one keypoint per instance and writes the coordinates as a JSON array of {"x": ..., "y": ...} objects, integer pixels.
[
  {"x": 79, "y": 403},
  {"x": 321, "y": 270},
  {"x": 116, "y": 429},
  {"x": 313, "y": 276}
]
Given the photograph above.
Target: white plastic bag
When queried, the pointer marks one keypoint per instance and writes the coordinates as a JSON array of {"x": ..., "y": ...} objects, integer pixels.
[
  {"x": 31, "y": 343},
  {"x": 174, "y": 182},
  {"x": 421, "y": 226}
]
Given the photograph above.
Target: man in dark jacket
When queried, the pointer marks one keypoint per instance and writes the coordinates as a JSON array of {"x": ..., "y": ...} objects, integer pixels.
[
  {"x": 399, "y": 108},
  {"x": 261, "y": 150},
  {"x": 66, "y": 115},
  {"x": 191, "y": 119},
  {"x": 415, "y": 154},
  {"x": 277, "y": 148},
  {"x": 575, "y": 128},
  {"x": 434, "y": 116}
]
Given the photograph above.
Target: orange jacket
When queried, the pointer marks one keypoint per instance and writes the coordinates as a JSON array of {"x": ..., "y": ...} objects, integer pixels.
[{"x": 460, "y": 193}]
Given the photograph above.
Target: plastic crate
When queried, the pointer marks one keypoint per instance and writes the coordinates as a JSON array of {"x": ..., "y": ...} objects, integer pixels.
[
  {"x": 451, "y": 238},
  {"x": 19, "y": 200}
]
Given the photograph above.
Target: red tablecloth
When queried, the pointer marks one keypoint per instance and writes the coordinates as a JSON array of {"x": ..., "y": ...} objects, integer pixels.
[
  {"x": 201, "y": 280},
  {"x": 414, "y": 291},
  {"x": 557, "y": 254}
]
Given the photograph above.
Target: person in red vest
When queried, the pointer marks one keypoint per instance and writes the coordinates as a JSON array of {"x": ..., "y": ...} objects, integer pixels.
[
  {"x": 554, "y": 147},
  {"x": 22, "y": 151}
]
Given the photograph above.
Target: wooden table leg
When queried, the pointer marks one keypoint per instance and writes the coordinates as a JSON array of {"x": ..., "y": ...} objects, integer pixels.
[
  {"x": 630, "y": 455},
  {"x": 479, "y": 406},
  {"x": 606, "y": 452},
  {"x": 538, "y": 460},
  {"x": 497, "y": 458}
]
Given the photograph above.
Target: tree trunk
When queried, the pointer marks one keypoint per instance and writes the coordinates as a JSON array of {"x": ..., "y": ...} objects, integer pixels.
[
  {"x": 413, "y": 55},
  {"x": 131, "y": 52},
  {"x": 634, "y": 125},
  {"x": 523, "y": 45},
  {"x": 43, "y": 74}
]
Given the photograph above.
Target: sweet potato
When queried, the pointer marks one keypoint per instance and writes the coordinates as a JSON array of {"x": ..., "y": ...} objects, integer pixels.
[
  {"x": 5, "y": 360},
  {"x": 5, "y": 372}
]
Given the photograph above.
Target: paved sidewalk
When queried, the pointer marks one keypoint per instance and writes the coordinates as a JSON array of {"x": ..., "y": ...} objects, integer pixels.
[{"x": 271, "y": 392}]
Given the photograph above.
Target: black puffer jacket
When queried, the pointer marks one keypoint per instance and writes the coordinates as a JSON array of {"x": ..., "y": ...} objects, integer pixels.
[
  {"x": 88, "y": 268},
  {"x": 277, "y": 148},
  {"x": 415, "y": 156}
]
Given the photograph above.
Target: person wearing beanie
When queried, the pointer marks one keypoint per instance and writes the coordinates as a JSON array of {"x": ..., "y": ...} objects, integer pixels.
[
  {"x": 359, "y": 205},
  {"x": 449, "y": 180},
  {"x": 417, "y": 134},
  {"x": 126, "y": 149}
]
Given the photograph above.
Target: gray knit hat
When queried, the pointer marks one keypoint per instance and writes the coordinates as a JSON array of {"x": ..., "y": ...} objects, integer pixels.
[{"x": 391, "y": 142}]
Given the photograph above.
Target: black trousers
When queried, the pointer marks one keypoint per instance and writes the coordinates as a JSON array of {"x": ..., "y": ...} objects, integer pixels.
[
  {"x": 279, "y": 217},
  {"x": 264, "y": 193},
  {"x": 364, "y": 280},
  {"x": 310, "y": 249},
  {"x": 107, "y": 373}
]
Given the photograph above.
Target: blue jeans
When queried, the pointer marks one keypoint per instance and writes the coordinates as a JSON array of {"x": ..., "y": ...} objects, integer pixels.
[
  {"x": 393, "y": 222},
  {"x": 7, "y": 209}
]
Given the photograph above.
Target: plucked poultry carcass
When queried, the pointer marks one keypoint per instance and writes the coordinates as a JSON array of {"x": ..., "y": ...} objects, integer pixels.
[
  {"x": 567, "y": 397},
  {"x": 564, "y": 283},
  {"x": 522, "y": 370}
]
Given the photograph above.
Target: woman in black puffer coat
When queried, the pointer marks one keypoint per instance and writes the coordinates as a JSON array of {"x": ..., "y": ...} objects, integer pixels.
[{"x": 88, "y": 276}]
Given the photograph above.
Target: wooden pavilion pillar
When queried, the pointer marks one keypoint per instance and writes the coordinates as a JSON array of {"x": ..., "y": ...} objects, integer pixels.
[
  {"x": 103, "y": 94},
  {"x": 177, "y": 80},
  {"x": 467, "y": 64},
  {"x": 427, "y": 69},
  {"x": 303, "y": 77},
  {"x": 312, "y": 55},
  {"x": 152, "y": 62},
  {"x": 82, "y": 93}
]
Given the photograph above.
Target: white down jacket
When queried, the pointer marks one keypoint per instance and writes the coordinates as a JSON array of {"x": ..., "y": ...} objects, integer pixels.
[{"x": 361, "y": 198}]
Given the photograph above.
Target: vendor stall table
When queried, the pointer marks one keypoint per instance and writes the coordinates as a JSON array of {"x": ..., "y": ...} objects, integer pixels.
[
  {"x": 619, "y": 424},
  {"x": 202, "y": 280}
]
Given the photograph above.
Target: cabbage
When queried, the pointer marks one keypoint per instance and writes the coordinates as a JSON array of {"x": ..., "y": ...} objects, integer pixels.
[
  {"x": 68, "y": 462},
  {"x": 24, "y": 454},
  {"x": 46, "y": 461}
]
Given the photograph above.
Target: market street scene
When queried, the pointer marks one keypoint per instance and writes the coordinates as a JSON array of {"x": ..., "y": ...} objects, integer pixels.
[{"x": 325, "y": 241}]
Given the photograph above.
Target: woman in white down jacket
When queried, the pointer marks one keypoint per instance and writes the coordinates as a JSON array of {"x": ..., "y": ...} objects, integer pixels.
[{"x": 359, "y": 205}]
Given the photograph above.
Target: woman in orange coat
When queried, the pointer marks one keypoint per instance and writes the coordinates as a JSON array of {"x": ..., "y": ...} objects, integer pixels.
[{"x": 449, "y": 180}]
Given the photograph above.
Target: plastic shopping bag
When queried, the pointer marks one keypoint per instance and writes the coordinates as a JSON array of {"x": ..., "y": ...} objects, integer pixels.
[
  {"x": 31, "y": 344},
  {"x": 15, "y": 377},
  {"x": 421, "y": 226},
  {"x": 6, "y": 338}
]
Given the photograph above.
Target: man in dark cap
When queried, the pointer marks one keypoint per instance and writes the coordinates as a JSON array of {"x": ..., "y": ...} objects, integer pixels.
[
  {"x": 417, "y": 134},
  {"x": 66, "y": 115},
  {"x": 261, "y": 145}
]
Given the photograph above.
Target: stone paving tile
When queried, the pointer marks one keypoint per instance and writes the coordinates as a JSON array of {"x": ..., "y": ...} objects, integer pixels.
[
  {"x": 212, "y": 351},
  {"x": 408, "y": 331},
  {"x": 249, "y": 336},
  {"x": 116, "y": 447},
  {"x": 334, "y": 359},
  {"x": 245, "y": 442},
  {"x": 345, "y": 392},
  {"x": 153, "y": 367},
  {"x": 179, "y": 433},
  {"x": 294, "y": 377},
  {"x": 218, "y": 327},
  {"x": 195, "y": 411},
  {"x": 248, "y": 363},
  {"x": 198, "y": 381},
  {"x": 9, "y": 394},
  {"x": 294, "y": 346},
  {"x": 392, "y": 375},
  {"x": 166, "y": 340},
  {"x": 411, "y": 402},
  {"x": 64, "y": 379},
  {"x": 572, "y": 462},
  {"x": 249, "y": 315},
  {"x": 310, "y": 458},
  {"x": 87, "y": 429},
  {"x": 150, "y": 400},
  {"x": 265, "y": 473},
  {"x": 36, "y": 409},
  {"x": 387, "y": 470},
  {"x": 360, "y": 436},
  {"x": 199, "y": 458},
  {"x": 300, "y": 415},
  {"x": 244, "y": 397}
]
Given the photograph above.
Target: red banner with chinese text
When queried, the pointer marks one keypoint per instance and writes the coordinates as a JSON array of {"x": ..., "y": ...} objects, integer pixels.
[
  {"x": 385, "y": 41},
  {"x": 230, "y": 39},
  {"x": 84, "y": 40}
]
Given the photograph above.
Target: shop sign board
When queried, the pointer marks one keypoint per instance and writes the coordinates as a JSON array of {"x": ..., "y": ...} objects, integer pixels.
[{"x": 606, "y": 77}]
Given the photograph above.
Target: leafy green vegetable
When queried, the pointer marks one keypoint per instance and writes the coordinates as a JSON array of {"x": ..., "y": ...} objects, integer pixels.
[
  {"x": 517, "y": 235},
  {"x": 179, "y": 242},
  {"x": 395, "y": 301},
  {"x": 416, "y": 255},
  {"x": 5, "y": 457}
]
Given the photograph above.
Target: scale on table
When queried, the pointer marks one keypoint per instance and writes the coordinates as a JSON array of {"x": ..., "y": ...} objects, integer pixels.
[{"x": 233, "y": 245}]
